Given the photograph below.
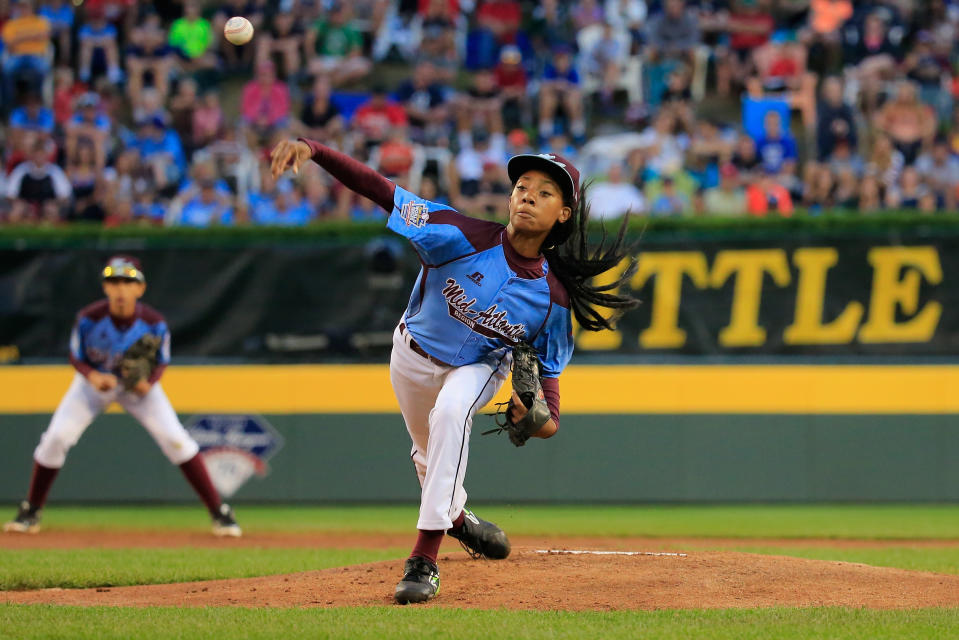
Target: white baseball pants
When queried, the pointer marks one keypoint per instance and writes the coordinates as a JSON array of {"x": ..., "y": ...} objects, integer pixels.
[
  {"x": 438, "y": 404},
  {"x": 82, "y": 403}
]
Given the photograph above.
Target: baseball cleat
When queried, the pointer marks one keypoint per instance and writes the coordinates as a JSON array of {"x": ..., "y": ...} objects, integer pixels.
[
  {"x": 480, "y": 538},
  {"x": 224, "y": 523},
  {"x": 421, "y": 581},
  {"x": 27, "y": 520}
]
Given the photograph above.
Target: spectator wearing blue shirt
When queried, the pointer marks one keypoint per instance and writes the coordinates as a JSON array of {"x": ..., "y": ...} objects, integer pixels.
[
  {"x": 32, "y": 116},
  {"x": 26, "y": 123},
  {"x": 776, "y": 148},
  {"x": 150, "y": 58},
  {"x": 207, "y": 208},
  {"x": 59, "y": 14},
  {"x": 669, "y": 203},
  {"x": 286, "y": 208},
  {"x": 560, "y": 85},
  {"x": 161, "y": 150},
  {"x": 426, "y": 103},
  {"x": 146, "y": 208},
  {"x": 99, "y": 51},
  {"x": 88, "y": 124}
]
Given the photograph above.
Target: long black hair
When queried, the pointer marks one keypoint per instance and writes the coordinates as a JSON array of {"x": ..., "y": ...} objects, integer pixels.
[{"x": 575, "y": 263}]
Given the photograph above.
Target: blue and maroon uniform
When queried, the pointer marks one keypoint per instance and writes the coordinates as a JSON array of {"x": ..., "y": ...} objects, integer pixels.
[
  {"x": 474, "y": 293},
  {"x": 98, "y": 341}
]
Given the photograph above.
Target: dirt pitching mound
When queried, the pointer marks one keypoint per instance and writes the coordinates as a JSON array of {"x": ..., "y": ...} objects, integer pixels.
[
  {"x": 138, "y": 539},
  {"x": 531, "y": 580}
]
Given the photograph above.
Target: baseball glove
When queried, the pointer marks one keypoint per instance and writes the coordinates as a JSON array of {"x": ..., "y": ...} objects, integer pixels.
[
  {"x": 526, "y": 384},
  {"x": 139, "y": 361}
]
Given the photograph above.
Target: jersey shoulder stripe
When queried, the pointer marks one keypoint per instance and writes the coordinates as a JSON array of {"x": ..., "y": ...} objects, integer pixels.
[
  {"x": 149, "y": 315},
  {"x": 95, "y": 310},
  {"x": 481, "y": 234}
]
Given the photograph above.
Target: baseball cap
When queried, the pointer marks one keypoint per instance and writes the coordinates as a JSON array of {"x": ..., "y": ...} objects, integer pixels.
[
  {"x": 123, "y": 268},
  {"x": 553, "y": 165}
]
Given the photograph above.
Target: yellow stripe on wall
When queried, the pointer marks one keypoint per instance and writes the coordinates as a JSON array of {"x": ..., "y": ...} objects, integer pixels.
[{"x": 283, "y": 389}]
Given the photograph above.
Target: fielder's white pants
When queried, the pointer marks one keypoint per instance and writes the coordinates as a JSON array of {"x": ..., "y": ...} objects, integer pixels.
[
  {"x": 438, "y": 404},
  {"x": 82, "y": 403}
]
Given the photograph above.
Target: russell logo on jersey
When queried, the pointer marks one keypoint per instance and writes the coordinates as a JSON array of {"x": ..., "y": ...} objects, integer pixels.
[{"x": 477, "y": 278}]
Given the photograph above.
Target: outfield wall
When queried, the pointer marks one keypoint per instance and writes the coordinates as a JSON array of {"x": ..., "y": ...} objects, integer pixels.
[{"x": 655, "y": 433}]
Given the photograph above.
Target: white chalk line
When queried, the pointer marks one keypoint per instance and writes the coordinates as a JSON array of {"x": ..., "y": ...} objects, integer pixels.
[{"x": 584, "y": 552}]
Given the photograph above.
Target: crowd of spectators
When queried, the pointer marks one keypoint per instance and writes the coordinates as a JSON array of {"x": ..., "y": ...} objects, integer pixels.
[{"x": 123, "y": 111}]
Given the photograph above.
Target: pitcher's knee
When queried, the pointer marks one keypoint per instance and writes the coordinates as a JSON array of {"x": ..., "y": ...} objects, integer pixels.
[
  {"x": 448, "y": 417},
  {"x": 52, "y": 450},
  {"x": 179, "y": 450}
]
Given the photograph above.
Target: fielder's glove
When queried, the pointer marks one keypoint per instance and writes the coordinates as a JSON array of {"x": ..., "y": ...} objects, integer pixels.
[
  {"x": 526, "y": 384},
  {"x": 139, "y": 361}
]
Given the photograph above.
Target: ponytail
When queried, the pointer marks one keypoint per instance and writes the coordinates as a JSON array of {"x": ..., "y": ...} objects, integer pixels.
[{"x": 575, "y": 264}]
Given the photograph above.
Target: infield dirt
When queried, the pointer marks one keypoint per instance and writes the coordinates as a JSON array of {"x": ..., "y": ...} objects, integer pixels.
[{"x": 528, "y": 579}]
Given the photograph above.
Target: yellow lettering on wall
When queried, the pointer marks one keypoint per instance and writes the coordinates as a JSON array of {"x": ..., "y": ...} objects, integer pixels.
[
  {"x": 604, "y": 340},
  {"x": 889, "y": 291},
  {"x": 808, "y": 326},
  {"x": 668, "y": 267},
  {"x": 749, "y": 266}
]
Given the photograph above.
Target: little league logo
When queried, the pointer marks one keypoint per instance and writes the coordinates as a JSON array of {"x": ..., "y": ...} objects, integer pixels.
[
  {"x": 415, "y": 214},
  {"x": 234, "y": 448}
]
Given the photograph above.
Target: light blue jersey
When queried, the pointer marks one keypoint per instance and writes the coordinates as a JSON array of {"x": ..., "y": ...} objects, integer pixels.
[
  {"x": 98, "y": 343},
  {"x": 474, "y": 293}
]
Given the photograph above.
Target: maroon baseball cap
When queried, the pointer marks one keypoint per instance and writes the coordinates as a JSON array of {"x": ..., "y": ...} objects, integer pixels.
[
  {"x": 553, "y": 165},
  {"x": 123, "y": 268}
]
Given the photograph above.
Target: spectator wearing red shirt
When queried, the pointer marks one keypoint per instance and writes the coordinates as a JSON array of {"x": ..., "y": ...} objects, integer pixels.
[
  {"x": 782, "y": 70},
  {"x": 65, "y": 91},
  {"x": 766, "y": 196},
  {"x": 266, "y": 103},
  {"x": 424, "y": 7},
  {"x": 502, "y": 17},
  {"x": 750, "y": 24},
  {"x": 375, "y": 118},
  {"x": 511, "y": 80}
]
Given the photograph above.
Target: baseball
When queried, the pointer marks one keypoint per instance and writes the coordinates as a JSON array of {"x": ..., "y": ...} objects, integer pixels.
[{"x": 238, "y": 30}]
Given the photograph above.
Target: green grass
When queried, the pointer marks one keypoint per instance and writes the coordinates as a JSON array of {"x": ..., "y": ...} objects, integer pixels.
[
  {"x": 39, "y": 568},
  {"x": 737, "y": 521},
  {"x": 915, "y": 559},
  {"x": 35, "y": 568},
  {"x": 433, "y": 622},
  {"x": 78, "y": 568}
]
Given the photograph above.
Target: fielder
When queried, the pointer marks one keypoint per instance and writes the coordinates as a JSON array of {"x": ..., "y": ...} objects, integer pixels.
[
  {"x": 484, "y": 292},
  {"x": 120, "y": 348}
]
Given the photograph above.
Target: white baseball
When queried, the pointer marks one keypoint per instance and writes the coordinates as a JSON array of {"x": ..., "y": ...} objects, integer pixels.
[{"x": 238, "y": 30}]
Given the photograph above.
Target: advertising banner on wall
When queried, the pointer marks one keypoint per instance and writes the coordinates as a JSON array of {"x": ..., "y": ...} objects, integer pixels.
[{"x": 848, "y": 295}]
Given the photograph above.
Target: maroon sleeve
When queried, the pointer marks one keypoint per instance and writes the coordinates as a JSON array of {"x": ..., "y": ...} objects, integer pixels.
[
  {"x": 354, "y": 175},
  {"x": 80, "y": 366},
  {"x": 157, "y": 372},
  {"x": 551, "y": 391}
]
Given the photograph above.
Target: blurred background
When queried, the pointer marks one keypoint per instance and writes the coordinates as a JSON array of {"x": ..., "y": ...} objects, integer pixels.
[
  {"x": 792, "y": 167},
  {"x": 125, "y": 112}
]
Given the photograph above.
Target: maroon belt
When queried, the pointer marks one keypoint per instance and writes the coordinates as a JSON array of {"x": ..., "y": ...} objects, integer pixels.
[{"x": 419, "y": 350}]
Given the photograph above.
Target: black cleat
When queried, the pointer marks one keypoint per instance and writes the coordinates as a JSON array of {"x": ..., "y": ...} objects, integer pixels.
[
  {"x": 27, "y": 520},
  {"x": 224, "y": 523},
  {"x": 421, "y": 581},
  {"x": 480, "y": 538}
]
